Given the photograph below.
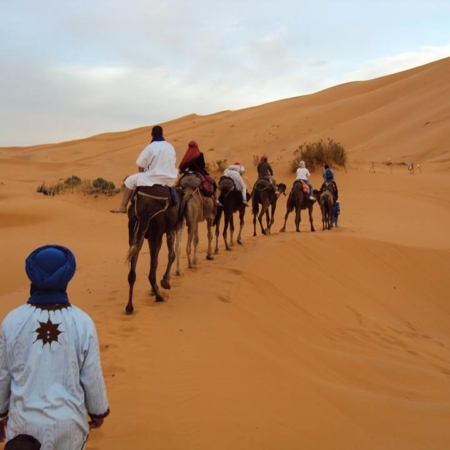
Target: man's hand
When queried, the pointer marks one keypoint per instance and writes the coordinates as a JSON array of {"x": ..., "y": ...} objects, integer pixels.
[{"x": 95, "y": 423}]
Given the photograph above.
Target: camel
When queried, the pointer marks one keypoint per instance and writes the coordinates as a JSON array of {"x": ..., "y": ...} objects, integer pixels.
[
  {"x": 298, "y": 200},
  {"x": 263, "y": 193},
  {"x": 231, "y": 201},
  {"x": 326, "y": 202},
  {"x": 195, "y": 208},
  {"x": 150, "y": 216}
]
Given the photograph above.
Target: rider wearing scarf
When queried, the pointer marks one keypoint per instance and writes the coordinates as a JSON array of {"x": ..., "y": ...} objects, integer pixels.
[{"x": 50, "y": 372}]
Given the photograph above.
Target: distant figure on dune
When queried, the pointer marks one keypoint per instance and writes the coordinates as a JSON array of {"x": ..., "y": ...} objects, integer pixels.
[
  {"x": 235, "y": 172},
  {"x": 157, "y": 166},
  {"x": 328, "y": 181},
  {"x": 50, "y": 372},
  {"x": 265, "y": 171},
  {"x": 336, "y": 213},
  {"x": 303, "y": 175}
]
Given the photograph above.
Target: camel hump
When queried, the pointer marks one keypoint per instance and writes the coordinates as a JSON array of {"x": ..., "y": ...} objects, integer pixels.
[
  {"x": 190, "y": 180},
  {"x": 226, "y": 183}
]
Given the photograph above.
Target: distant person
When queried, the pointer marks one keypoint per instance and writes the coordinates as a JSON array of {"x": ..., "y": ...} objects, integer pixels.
[
  {"x": 50, "y": 371},
  {"x": 23, "y": 442},
  {"x": 235, "y": 172},
  {"x": 303, "y": 175},
  {"x": 265, "y": 171},
  {"x": 328, "y": 177},
  {"x": 156, "y": 164},
  {"x": 336, "y": 213}
]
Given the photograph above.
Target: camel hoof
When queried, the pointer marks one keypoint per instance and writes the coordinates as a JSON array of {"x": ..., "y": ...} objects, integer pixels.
[
  {"x": 209, "y": 257},
  {"x": 216, "y": 251},
  {"x": 161, "y": 299},
  {"x": 178, "y": 273},
  {"x": 283, "y": 230},
  {"x": 165, "y": 284},
  {"x": 239, "y": 242},
  {"x": 129, "y": 311}
]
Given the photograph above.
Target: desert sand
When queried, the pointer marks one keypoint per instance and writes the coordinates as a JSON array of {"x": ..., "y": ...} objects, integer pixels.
[{"x": 336, "y": 339}]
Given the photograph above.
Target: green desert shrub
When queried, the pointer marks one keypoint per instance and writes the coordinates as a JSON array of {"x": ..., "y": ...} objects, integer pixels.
[
  {"x": 315, "y": 154},
  {"x": 97, "y": 186},
  {"x": 73, "y": 181}
]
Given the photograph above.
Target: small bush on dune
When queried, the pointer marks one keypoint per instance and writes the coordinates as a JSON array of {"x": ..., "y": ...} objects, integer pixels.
[
  {"x": 97, "y": 186},
  {"x": 73, "y": 181},
  {"x": 315, "y": 154}
]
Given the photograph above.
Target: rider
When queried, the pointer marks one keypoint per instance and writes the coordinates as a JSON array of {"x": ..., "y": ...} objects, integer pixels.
[
  {"x": 265, "y": 171},
  {"x": 194, "y": 161},
  {"x": 303, "y": 175},
  {"x": 235, "y": 172},
  {"x": 328, "y": 177},
  {"x": 156, "y": 165}
]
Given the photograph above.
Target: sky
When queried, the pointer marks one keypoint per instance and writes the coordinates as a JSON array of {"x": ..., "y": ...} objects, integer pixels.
[{"x": 73, "y": 69}]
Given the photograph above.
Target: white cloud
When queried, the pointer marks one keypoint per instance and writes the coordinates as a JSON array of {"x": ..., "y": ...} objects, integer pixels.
[{"x": 396, "y": 63}]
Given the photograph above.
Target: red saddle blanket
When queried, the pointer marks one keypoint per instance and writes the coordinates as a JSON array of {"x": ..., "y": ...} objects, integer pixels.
[{"x": 305, "y": 187}]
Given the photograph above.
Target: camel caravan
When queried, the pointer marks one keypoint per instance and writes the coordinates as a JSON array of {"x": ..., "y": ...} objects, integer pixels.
[{"x": 163, "y": 200}]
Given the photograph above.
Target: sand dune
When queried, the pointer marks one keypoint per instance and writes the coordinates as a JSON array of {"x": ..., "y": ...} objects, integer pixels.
[{"x": 335, "y": 339}]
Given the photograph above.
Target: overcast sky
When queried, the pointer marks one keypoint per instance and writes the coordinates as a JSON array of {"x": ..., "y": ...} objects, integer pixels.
[{"x": 72, "y": 69}]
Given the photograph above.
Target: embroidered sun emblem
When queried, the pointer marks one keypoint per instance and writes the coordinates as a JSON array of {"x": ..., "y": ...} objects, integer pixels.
[{"x": 48, "y": 332}]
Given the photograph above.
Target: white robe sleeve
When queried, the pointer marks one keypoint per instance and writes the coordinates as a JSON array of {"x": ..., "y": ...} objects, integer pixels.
[
  {"x": 91, "y": 377},
  {"x": 5, "y": 377}
]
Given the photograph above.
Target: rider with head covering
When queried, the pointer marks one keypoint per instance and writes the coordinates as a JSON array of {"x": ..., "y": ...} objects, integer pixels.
[
  {"x": 328, "y": 181},
  {"x": 50, "y": 371},
  {"x": 303, "y": 175},
  {"x": 235, "y": 172},
  {"x": 265, "y": 171},
  {"x": 156, "y": 164}
]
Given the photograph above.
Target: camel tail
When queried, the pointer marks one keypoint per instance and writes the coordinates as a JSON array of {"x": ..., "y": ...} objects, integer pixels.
[
  {"x": 136, "y": 242},
  {"x": 255, "y": 204},
  {"x": 218, "y": 215}
]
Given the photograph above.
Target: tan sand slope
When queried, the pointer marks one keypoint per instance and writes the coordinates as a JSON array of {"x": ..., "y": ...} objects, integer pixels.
[{"x": 335, "y": 339}]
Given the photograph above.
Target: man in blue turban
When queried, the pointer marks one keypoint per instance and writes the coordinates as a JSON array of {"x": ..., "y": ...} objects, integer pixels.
[{"x": 50, "y": 372}]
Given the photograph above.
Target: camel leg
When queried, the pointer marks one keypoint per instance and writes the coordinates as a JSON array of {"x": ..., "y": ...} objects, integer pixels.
[
  {"x": 209, "y": 227},
  {"x": 190, "y": 237},
  {"x": 196, "y": 241},
  {"x": 254, "y": 224},
  {"x": 131, "y": 280},
  {"x": 310, "y": 210},
  {"x": 225, "y": 229},
  {"x": 179, "y": 234},
  {"x": 231, "y": 229},
  {"x": 298, "y": 219},
  {"x": 155, "y": 243},
  {"x": 268, "y": 218},
  {"x": 285, "y": 221},
  {"x": 170, "y": 237},
  {"x": 255, "y": 208},
  {"x": 260, "y": 219},
  {"x": 217, "y": 232},
  {"x": 272, "y": 214},
  {"x": 241, "y": 225}
]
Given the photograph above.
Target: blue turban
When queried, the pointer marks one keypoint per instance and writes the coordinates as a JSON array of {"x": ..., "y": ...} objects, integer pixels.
[{"x": 50, "y": 268}]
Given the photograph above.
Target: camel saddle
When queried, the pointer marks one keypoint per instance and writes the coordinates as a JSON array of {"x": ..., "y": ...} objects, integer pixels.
[
  {"x": 195, "y": 180},
  {"x": 305, "y": 187}
]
